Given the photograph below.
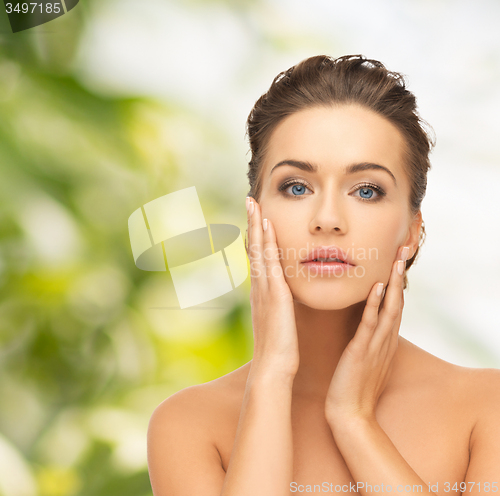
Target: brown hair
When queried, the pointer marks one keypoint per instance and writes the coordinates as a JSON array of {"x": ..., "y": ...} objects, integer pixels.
[{"x": 352, "y": 79}]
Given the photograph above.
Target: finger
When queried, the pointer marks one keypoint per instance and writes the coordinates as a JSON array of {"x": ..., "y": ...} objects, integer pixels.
[
  {"x": 248, "y": 231},
  {"x": 392, "y": 307},
  {"x": 370, "y": 317},
  {"x": 390, "y": 344},
  {"x": 258, "y": 269},
  {"x": 247, "y": 202},
  {"x": 274, "y": 269},
  {"x": 397, "y": 324},
  {"x": 250, "y": 208}
]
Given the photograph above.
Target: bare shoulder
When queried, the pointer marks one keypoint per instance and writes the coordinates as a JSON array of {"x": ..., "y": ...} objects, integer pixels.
[
  {"x": 483, "y": 390},
  {"x": 468, "y": 399},
  {"x": 475, "y": 389},
  {"x": 482, "y": 395},
  {"x": 202, "y": 403},
  {"x": 180, "y": 418},
  {"x": 183, "y": 457}
]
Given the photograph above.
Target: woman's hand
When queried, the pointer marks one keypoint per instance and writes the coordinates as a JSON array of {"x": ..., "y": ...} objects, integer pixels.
[
  {"x": 363, "y": 369},
  {"x": 273, "y": 317}
]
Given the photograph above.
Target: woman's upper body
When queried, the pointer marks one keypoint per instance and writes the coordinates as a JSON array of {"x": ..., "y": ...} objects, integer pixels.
[
  {"x": 440, "y": 417},
  {"x": 339, "y": 161}
]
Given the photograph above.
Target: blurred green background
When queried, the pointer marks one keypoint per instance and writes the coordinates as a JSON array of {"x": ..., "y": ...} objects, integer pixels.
[
  {"x": 86, "y": 352},
  {"x": 120, "y": 102}
]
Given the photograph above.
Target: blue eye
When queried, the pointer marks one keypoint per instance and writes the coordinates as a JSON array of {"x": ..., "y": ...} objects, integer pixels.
[
  {"x": 366, "y": 191},
  {"x": 298, "y": 188}
]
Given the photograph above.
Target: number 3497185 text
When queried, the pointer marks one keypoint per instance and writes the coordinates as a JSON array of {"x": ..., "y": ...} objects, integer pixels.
[{"x": 33, "y": 7}]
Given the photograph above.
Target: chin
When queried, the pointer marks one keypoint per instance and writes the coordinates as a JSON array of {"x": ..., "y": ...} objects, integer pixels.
[
  {"x": 322, "y": 305},
  {"x": 327, "y": 295}
]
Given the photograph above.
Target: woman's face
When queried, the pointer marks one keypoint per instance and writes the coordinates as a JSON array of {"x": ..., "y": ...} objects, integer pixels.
[{"x": 365, "y": 213}]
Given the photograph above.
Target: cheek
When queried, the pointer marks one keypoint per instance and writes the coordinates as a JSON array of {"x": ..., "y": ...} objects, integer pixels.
[
  {"x": 385, "y": 237},
  {"x": 285, "y": 225},
  {"x": 291, "y": 238}
]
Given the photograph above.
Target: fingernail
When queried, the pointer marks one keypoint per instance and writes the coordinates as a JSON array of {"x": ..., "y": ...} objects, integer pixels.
[
  {"x": 264, "y": 224},
  {"x": 252, "y": 207},
  {"x": 380, "y": 287},
  {"x": 405, "y": 253},
  {"x": 401, "y": 267}
]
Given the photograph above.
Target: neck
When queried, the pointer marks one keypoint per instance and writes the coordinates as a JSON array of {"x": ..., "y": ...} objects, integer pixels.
[{"x": 323, "y": 336}]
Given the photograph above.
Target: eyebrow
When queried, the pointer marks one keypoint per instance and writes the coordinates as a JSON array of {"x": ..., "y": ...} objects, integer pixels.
[{"x": 350, "y": 169}]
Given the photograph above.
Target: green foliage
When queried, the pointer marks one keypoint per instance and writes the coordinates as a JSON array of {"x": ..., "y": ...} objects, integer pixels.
[{"x": 84, "y": 359}]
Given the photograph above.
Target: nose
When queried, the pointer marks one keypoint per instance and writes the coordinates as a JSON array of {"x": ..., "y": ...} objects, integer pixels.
[{"x": 328, "y": 215}]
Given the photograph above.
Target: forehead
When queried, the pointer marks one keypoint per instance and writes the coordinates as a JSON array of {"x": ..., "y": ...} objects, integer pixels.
[{"x": 334, "y": 137}]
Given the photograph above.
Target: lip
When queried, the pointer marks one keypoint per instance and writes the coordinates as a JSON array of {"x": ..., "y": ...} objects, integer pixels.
[{"x": 328, "y": 252}]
